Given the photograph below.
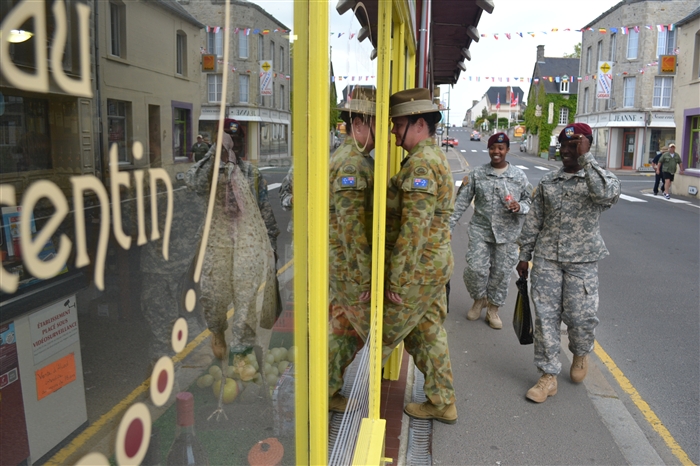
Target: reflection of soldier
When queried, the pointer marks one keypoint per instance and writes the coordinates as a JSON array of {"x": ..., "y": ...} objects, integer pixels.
[
  {"x": 161, "y": 280},
  {"x": 419, "y": 255},
  {"x": 502, "y": 196},
  {"x": 199, "y": 148},
  {"x": 238, "y": 257},
  {"x": 287, "y": 197},
  {"x": 350, "y": 254}
]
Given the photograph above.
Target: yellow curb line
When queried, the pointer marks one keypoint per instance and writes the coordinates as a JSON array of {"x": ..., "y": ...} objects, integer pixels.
[
  {"x": 62, "y": 455},
  {"x": 642, "y": 405}
]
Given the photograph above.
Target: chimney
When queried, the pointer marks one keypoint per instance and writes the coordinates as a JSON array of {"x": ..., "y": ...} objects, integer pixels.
[
  {"x": 540, "y": 54},
  {"x": 474, "y": 102}
]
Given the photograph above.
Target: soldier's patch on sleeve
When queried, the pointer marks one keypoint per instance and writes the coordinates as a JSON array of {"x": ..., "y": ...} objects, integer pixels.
[
  {"x": 420, "y": 171},
  {"x": 465, "y": 180},
  {"x": 349, "y": 169},
  {"x": 420, "y": 182},
  {"x": 348, "y": 181}
]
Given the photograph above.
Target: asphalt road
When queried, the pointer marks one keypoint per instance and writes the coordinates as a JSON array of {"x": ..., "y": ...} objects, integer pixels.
[{"x": 650, "y": 322}]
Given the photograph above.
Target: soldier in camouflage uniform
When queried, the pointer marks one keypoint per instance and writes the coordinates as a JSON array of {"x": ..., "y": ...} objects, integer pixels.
[
  {"x": 287, "y": 196},
  {"x": 502, "y": 196},
  {"x": 561, "y": 235},
  {"x": 418, "y": 253},
  {"x": 350, "y": 253}
]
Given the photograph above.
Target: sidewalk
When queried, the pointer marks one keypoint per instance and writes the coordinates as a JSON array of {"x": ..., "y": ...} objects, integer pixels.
[{"x": 583, "y": 424}]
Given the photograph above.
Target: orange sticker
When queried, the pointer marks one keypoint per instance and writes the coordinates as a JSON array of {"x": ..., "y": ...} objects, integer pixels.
[{"x": 55, "y": 376}]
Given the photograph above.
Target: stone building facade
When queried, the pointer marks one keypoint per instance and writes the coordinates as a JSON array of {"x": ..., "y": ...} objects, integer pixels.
[
  {"x": 638, "y": 118},
  {"x": 255, "y": 37}
]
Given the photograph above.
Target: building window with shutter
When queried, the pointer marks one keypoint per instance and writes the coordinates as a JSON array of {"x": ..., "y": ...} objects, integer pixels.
[
  {"x": 242, "y": 45},
  {"x": 628, "y": 95},
  {"x": 563, "y": 116},
  {"x": 243, "y": 87},
  {"x": 214, "y": 84},
  {"x": 663, "y": 88},
  {"x": 632, "y": 44}
]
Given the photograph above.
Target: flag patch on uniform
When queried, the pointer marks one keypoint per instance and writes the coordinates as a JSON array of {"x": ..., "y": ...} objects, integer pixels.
[
  {"x": 420, "y": 183},
  {"x": 347, "y": 181}
]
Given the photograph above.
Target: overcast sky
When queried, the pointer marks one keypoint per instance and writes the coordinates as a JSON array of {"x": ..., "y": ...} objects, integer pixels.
[{"x": 490, "y": 57}]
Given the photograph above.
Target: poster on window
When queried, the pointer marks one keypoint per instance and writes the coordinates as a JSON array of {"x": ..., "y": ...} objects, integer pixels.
[
  {"x": 265, "y": 77},
  {"x": 604, "y": 84}
]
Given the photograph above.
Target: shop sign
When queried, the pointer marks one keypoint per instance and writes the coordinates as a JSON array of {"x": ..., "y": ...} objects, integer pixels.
[
  {"x": 208, "y": 63},
  {"x": 628, "y": 117},
  {"x": 604, "y": 81},
  {"x": 667, "y": 65},
  {"x": 603, "y": 118},
  {"x": 243, "y": 111},
  {"x": 265, "y": 77},
  {"x": 662, "y": 118},
  {"x": 53, "y": 328}
]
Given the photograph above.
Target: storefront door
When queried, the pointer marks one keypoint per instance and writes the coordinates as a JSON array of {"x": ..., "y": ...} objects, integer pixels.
[{"x": 628, "y": 149}]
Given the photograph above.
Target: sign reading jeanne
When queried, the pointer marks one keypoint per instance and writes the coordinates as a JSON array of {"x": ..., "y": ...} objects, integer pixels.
[
  {"x": 265, "y": 77},
  {"x": 604, "y": 80},
  {"x": 667, "y": 65}
]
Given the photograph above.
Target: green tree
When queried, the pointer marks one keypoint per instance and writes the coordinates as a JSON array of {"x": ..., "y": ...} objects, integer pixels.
[{"x": 576, "y": 53}]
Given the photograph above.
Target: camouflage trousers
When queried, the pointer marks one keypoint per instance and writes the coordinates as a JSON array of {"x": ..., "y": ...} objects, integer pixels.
[
  {"x": 217, "y": 290},
  {"x": 418, "y": 322},
  {"x": 348, "y": 329},
  {"x": 568, "y": 292},
  {"x": 489, "y": 267}
]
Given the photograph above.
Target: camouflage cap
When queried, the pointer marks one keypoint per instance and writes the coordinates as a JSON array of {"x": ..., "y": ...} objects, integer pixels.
[
  {"x": 411, "y": 102},
  {"x": 362, "y": 100}
]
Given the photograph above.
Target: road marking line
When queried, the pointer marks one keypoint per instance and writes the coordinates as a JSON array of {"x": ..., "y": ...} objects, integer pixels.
[
  {"x": 108, "y": 419},
  {"x": 522, "y": 167},
  {"x": 272, "y": 186},
  {"x": 541, "y": 168},
  {"x": 662, "y": 198},
  {"x": 265, "y": 168},
  {"x": 642, "y": 405},
  {"x": 462, "y": 150},
  {"x": 631, "y": 199},
  {"x": 484, "y": 150},
  {"x": 473, "y": 150}
]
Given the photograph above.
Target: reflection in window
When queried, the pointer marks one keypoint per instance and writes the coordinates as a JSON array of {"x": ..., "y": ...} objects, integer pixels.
[
  {"x": 242, "y": 46},
  {"x": 243, "y": 86},
  {"x": 181, "y": 53},
  {"x": 181, "y": 122},
  {"x": 117, "y": 130},
  {"x": 117, "y": 29},
  {"x": 25, "y": 142},
  {"x": 214, "y": 83}
]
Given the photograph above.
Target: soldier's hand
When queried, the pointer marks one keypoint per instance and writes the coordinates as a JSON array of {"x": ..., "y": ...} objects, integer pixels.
[
  {"x": 513, "y": 206},
  {"x": 218, "y": 344},
  {"x": 364, "y": 296},
  {"x": 584, "y": 145},
  {"x": 523, "y": 269},
  {"x": 393, "y": 297}
]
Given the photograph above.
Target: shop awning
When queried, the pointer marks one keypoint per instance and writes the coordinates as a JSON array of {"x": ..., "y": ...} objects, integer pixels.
[
  {"x": 625, "y": 124},
  {"x": 662, "y": 124}
]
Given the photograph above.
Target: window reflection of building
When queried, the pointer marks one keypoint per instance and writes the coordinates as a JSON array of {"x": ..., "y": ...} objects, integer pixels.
[
  {"x": 25, "y": 143},
  {"x": 118, "y": 132}
]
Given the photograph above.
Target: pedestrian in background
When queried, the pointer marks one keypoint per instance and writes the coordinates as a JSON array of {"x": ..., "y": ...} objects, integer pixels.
[
  {"x": 561, "y": 235},
  {"x": 658, "y": 177},
  {"x": 419, "y": 259},
  {"x": 502, "y": 196},
  {"x": 350, "y": 253},
  {"x": 669, "y": 162},
  {"x": 199, "y": 149},
  {"x": 287, "y": 196}
]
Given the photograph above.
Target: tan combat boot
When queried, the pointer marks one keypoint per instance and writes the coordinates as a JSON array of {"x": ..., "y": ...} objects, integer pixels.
[
  {"x": 492, "y": 317},
  {"x": 546, "y": 386},
  {"x": 475, "y": 312},
  {"x": 579, "y": 368},
  {"x": 427, "y": 410}
]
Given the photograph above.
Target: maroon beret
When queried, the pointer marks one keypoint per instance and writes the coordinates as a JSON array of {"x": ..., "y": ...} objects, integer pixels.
[
  {"x": 576, "y": 128},
  {"x": 498, "y": 137}
]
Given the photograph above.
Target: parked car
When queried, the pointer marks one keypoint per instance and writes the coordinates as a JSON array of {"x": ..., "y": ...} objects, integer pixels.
[
  {"x": 475, "y": 136},
  {"x": 450, "y": 141},
  {"x": 523, "y": 145}
]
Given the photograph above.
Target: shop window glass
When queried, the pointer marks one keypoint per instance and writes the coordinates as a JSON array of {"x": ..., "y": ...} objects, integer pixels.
[
  {"x": 25, "y": 141},
  {"x": 694, "y": 149},
  {"x": 118, "y": 113},
  {"x": 181, "y": 132}
]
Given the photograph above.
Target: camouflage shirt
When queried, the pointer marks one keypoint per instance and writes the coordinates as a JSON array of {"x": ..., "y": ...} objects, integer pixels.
[
  {"x": 286, "y": 195},
  {"x": 419, "y": 205},
  {"x": 563, "y": 222},
  {"x": 351, "y": 193},
  {"x": 489, "y": 190}
]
